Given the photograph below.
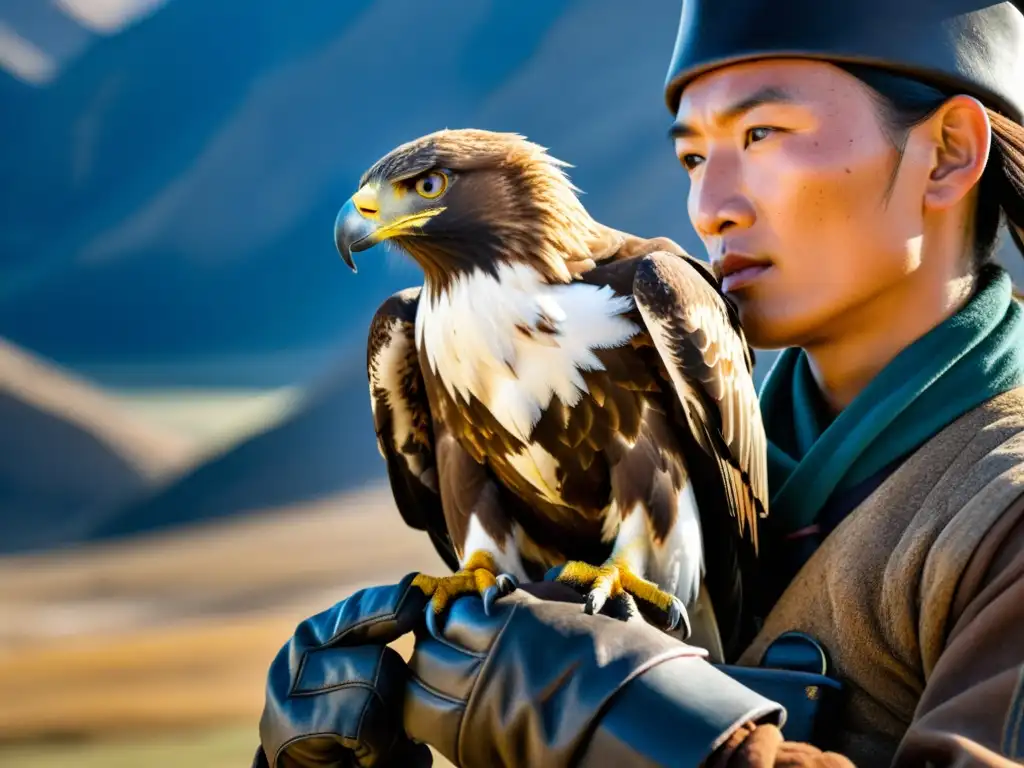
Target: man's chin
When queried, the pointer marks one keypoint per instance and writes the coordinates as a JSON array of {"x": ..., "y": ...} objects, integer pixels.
[{"x": 763, "y": 328}]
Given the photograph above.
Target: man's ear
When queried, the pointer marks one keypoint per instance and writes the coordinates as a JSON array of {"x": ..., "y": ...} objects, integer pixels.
[{"x": 961, "y": 137}]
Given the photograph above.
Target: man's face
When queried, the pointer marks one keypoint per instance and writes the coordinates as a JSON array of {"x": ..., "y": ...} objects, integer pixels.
[{"x": 792, "y": 184}]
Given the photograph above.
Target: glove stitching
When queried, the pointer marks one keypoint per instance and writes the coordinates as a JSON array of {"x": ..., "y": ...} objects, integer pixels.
[
  {"x": 292, "y": 689},
  {"x": 376, "y": 695},
  {"x": 367, "y": 622},
  {"x": 460, "y": 649},
  {"x": 414, "y": 680},
  {"x": 328, "y": 688},
  {"x": 370, "y": 620},
  {"x": 303, "y": 737}
]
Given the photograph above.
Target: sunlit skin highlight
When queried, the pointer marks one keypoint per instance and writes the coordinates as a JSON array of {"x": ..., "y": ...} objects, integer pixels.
[{"x": 790, "y": 166}]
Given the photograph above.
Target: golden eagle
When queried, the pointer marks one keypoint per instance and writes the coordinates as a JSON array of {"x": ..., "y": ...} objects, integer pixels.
[{"x": 558, "y": 392}]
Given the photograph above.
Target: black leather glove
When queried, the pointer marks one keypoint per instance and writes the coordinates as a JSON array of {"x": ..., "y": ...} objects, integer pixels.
[
  {"x": 335, "y": 690},
  {"x": 539, "y": 682}
]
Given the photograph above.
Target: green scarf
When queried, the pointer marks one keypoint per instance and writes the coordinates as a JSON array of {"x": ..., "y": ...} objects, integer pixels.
[{"x": 968, "y": 359}]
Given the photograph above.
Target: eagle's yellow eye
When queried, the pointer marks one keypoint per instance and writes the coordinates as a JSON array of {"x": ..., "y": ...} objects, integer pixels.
[{"x": 431, "y": 185}]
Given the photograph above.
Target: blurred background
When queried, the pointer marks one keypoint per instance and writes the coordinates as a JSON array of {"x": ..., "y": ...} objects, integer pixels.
[{"x": 187, "y": 460}]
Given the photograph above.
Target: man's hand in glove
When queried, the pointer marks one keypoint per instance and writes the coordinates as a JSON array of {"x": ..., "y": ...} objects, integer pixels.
[
  {"x": 539, "y": 682},
  {"x": 335, "y": 690}
]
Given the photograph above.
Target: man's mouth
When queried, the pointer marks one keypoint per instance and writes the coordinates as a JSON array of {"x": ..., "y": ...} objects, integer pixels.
[
  {"x": 736, "y": 270},
  {"x": 742, "y": 277}
]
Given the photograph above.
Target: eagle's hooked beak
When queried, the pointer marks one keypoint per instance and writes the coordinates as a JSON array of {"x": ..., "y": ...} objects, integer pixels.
[{"x": 356, "y": 227}]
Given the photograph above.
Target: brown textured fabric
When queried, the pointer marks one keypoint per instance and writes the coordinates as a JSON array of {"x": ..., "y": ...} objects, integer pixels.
[
  {"x": 762, "y": 746},
  {"x": 919, "y": 597}
]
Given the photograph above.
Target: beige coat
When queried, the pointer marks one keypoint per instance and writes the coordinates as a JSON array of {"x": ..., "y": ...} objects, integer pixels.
[{"x": 918, "y": 595}]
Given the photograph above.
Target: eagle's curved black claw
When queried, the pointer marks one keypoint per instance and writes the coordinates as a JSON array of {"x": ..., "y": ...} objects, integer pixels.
[
  {"x": 434, "y": 621},
  {"x": 489, "y": 596},
  {"x": 507, "y": 583},
  {"x": 678, "y": 617},
  {"x": 504, "y": 584}
]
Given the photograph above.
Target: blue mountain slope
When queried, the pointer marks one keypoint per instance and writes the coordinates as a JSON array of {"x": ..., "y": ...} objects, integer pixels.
[{"x": 326, "y": 447}]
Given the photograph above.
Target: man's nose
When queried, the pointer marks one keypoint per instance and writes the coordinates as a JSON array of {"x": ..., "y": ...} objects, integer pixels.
[{"x": 721, "y": 202}]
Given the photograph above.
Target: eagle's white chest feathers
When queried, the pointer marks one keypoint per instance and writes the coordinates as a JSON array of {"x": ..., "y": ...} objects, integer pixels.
[{"x": 480, "y": 336}]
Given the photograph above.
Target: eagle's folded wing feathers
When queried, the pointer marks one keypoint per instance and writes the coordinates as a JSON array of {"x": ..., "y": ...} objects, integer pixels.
[
  {"x": 402, "y": 421},
  {"x": 702, "y": 346}
]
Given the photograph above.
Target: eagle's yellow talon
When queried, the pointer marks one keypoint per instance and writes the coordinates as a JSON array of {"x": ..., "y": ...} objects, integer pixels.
[
  {"x": 578, "y": 574},
  {"x": 611, "y": 579},
  {"x": 477, "y": 576},
  {"x": 483, "y": 579},
  {"x": 426, "y": 584},
  {"x": 645, "y": 590}
]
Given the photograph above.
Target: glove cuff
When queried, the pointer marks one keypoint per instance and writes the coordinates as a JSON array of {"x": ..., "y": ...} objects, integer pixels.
[{"x": 677, "y": 712}]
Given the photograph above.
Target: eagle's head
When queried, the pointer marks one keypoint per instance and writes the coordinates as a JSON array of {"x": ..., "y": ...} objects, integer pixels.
[{"x": 463, "y": 200}]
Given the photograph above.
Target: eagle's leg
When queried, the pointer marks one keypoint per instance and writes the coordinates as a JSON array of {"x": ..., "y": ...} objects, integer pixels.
[
  {"x": 489, "y": 563},
  {"x": 621, "y": 573}
]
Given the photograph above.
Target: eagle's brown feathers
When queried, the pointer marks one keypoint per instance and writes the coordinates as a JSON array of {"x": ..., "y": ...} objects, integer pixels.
[
  {"x": 512, "y": 199},
  {"x": 667, "y": 406}
]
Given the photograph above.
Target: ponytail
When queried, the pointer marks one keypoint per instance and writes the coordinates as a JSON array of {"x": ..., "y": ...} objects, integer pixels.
[{"x": 1007, "y": 160}]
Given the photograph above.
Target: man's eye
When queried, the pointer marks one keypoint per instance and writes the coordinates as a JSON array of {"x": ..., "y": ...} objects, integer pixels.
[
  {"x": 691, "y": 161},
  {"x": 759, "y": 133}
]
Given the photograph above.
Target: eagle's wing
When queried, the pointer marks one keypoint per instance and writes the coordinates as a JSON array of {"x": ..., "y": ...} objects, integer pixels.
[
  {"x": 698, "y": 336},
  {"x": 402, "y": 420}
]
